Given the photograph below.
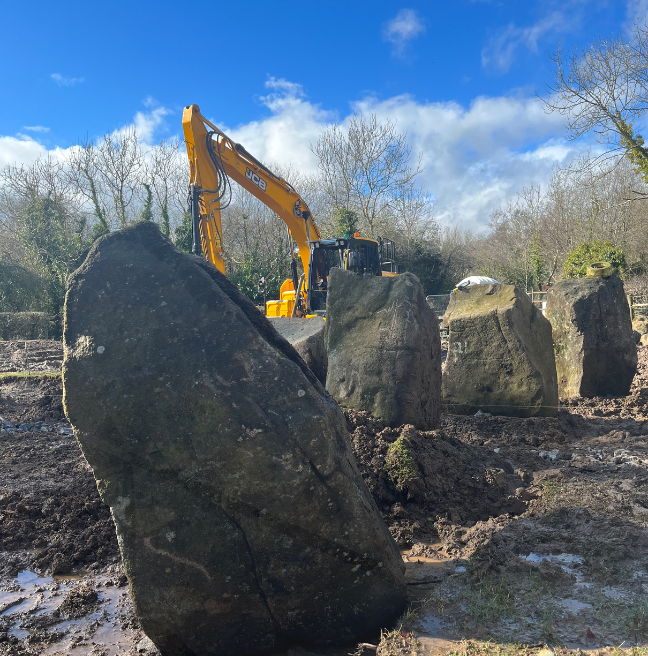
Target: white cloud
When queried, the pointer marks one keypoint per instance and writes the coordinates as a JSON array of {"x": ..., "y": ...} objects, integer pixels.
[
  {"x": 637, "y": 10},
  {"x": 399, "y": 31},
  {"x": 284, "y": 137},
  {"x": 24, "y": 150},
  {"x": 147, "y": 123},
  {"x": 476, "y": 158},
  {"x": 499, "y": 52},
  {"x": 66, "y": 81},
  {"x": 36, "y": 128}
]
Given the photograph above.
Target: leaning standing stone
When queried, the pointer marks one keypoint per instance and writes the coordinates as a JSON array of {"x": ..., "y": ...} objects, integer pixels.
[
  {"x": 241, "y": 517},
  {"x": 500, "y": 354},
  {"x": 384, "y": 348},
  {"x": 596, "y": 353}
]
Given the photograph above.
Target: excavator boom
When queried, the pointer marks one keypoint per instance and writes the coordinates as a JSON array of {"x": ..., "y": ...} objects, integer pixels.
[{"x": 212, "y": 153}]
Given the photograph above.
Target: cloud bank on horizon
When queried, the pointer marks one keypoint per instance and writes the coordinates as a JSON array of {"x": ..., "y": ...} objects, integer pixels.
[{"x": 476, "y": 158}]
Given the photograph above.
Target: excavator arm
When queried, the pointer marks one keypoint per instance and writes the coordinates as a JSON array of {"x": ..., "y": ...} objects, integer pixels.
[{"x": 214, "y": 159}]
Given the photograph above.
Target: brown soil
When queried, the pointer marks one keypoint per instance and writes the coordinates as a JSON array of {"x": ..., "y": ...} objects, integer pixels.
[
  {"x": 513, "y": 530},
  {"x": 36, "y": 355},
  {"x": 569, "y": 569}
]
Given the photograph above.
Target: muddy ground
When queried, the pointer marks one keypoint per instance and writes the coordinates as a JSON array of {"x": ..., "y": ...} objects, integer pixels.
[{"x": 514, "y": 531}]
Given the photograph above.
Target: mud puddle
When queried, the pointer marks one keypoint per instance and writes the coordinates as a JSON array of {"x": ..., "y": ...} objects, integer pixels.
[{"x": 68, "y": 614}]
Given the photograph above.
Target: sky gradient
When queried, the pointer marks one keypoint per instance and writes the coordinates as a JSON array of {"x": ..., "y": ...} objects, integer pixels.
[{"x": 461, "y": 77}]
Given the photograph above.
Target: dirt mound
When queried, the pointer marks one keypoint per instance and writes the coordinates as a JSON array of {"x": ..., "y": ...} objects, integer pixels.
[
  {"x": 36, "y": 399},
  {"x": 419, "y": 478},
  {"x": 78, "y": 602}
]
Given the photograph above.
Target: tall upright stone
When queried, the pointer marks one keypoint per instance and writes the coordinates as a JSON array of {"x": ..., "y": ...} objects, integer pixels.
[
  {"x": 384, "y": 348},
  {"x": 500, "y": 355},
  {"x": 596, "y": 353},
  {"x": 241, "y": 516}
]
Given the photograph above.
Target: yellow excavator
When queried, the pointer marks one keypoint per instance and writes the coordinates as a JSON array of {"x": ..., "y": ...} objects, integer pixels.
[{"x": 214, "y": 160}]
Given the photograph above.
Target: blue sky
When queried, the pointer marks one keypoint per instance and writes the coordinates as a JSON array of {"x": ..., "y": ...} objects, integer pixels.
[{"x": 460, "y": 76}]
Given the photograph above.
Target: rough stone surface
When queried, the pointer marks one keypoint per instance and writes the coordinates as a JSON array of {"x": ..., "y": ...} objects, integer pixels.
[
  {"x": 307, "y": 338},
  {"x": 384, "y": 349},
  {"x": 241, "y": 517},
  {"x": 500, "y": 356},
  {"x": 596, "y": 353}
]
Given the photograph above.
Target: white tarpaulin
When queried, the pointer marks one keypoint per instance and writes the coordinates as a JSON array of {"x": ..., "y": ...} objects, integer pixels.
[{"x": 471, "y": 281}]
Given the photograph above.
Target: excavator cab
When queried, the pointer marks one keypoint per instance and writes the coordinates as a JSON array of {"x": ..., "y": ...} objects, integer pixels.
[
  {"x": 325, "y": 254},
  {"x": 360, "y": 255}
]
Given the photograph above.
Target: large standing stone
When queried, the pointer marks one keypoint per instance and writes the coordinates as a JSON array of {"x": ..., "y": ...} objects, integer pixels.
[
  {"x": 500, "y": 356},
  {"x": 241, "y": 516},
  {"x": 384, "y": 349},
  {"x": 596, "y": 353},
  {"x": 307, "y": 338}
]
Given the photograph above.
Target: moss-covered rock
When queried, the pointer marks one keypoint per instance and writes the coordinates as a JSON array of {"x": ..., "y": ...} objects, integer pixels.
[
  {"x": 596, "y": 352},
  {"x": 500, "y": 356},
  {"x": 241, "y": 517},
  {"x": 384, "y": 348}
]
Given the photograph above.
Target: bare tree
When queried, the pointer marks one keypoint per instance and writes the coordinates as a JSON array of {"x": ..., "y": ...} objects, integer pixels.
[
  {"x": 365, "y": 168},
  {"x": 167, "y": 168},
  {"x": 412, "y": 217},
  {"x": 604, "y": 89},
  {"x": 120, "y": 164},
  {"x": 83, "y": 172}
]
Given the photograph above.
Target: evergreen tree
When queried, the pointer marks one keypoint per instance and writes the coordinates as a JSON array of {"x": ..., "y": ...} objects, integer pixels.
[
  {"x": 346, "y": 222},
  {"x": 183, "y": 234},
  {"x": 147, "y": 210},
  {"x": 166, "y": 222},
  {"x": 577, "y": 261}
]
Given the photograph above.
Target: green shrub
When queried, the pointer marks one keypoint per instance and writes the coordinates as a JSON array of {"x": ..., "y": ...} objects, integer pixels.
[
  {"x": 24, "y": 325},
  {"x": 577, "y": 261},
  {"x": 400, "y": 464}
]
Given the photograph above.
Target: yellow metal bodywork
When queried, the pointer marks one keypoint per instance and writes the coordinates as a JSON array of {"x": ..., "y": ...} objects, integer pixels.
[
  {"x": 241, "y": 167},
  {"x": 284, "y": 306}
]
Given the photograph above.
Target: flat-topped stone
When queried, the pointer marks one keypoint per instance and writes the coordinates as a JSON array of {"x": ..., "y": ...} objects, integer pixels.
[
  {"x": 500, "y": 354},
  {"x": 596, "y": 352},
  {"x": 384, "y": 348},
  {"x": 307, "y": 338}
]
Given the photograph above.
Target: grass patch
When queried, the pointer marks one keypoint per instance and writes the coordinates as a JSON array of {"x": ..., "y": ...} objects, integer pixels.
[
  {"x": 636, "y": 620},
  {"x": 11, "y": 376},
  {"x": 475, "y": 648},
  {"x": 551, "y": 490},
  {"x": 488, "y": 601}
]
